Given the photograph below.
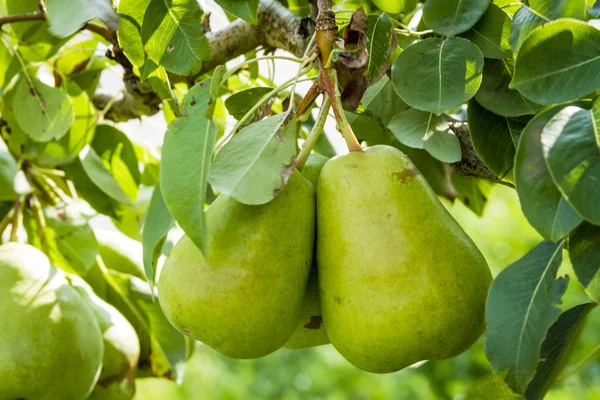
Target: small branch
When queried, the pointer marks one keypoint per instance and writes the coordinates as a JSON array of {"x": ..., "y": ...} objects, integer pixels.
[
  {"x": 17, "y": 220},
  {"x": 471, "y": 164},
  {"x": 39, "y": 16},
  {"x": 314, "y": 134}
]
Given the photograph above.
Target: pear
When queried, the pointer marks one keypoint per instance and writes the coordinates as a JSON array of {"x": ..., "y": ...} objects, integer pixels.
[
  {"x": 158, "y": 389},
  {"x": 120, "y": 253},
  {"x": 400, "y": 280},
  {"x": 121, "y": 347},
  {"x": 244, "y": 298},
  {"x": 51, "y": 345},
  {"x": 310, "y": 331}
]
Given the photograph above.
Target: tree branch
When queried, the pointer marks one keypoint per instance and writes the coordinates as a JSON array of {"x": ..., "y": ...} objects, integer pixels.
[{"x": 39, "y": 16}]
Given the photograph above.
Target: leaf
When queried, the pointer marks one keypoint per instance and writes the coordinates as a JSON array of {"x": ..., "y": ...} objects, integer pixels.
[
  {"x": 495, "y": 95},
  {"x": 173, "y": 36},
  {"x": 542, "y": 203},
  {"x": 43, "y": 112},
  {"x": 491, "y": 33},
  {"x": 558, "y": 62},
  {"x": 444, "y": 145},
  {"x": 69, "y": 16},
  {"x": 246, "y": 10},
  {"x": 571, "y": 151},
  {"x": 425, "y": 130},
  {"x": 395, "y": 6},
  {"x": 96, "y": 171},
  {"x": 491, "y": 387},
  {"x": 469, "y": 191},
  {"x": 256, "y": 163},
  {"x": 129, "y": 33},
  {"x": 238, "y": 104},
  {"x": 186, "y": 160},
  {"x": 451, "y": 17},
  {"x": 437, "y": 75},
  {"x": 79, "y": 135},
  {"x": 119, "y": 157},
  {"x": 521, "y": 307},
  {"x": 71, "y": 242},
  {"x": 492, "y": 140},
  {"x": 158, "y": 223},
  {"x": 584, "y": 252},
  {"x": 560, "y": 339},
  {"x": 382, "y": 41},
  {"x": 8, "y": 173},
  {"x": 537, "y": 13}
]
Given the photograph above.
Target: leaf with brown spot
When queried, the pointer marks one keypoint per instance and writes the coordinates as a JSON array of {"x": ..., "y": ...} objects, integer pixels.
[{"x": 249, "y": 167}]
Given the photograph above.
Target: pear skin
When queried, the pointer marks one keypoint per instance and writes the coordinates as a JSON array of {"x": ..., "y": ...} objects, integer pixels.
[
  {"x": 244, "y": 299},
  {"x": 400, "y": 280},
  {"x": 121, "y": 347},
  {"x": 310, "y": 331},
  {"x": 51, "y": 345}
]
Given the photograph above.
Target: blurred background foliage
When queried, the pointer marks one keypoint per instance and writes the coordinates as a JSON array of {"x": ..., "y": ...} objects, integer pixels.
[{"x": 503, "y": 235}]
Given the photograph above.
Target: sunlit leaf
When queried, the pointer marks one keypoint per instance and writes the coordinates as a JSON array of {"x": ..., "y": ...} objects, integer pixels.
[{"x": 68, "y": 16}]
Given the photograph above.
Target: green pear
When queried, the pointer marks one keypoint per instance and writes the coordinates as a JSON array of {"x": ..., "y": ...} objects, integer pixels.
[
  {"x": 120, "y": 253},
  {"x": 157, "y": 389},
  {"x": 310, "y": 331},
  {"x": 121, "y": 347},
  {"x": 400, "y": 280},
  {"x": 50, "y": 342},
  {"x": 244, "y": 298}
]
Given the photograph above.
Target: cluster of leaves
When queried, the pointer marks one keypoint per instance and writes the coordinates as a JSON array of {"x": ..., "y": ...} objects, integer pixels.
[{"x": 522, "y": 75}]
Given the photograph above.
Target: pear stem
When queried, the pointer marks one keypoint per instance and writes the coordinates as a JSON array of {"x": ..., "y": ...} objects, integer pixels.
[
  {"x": 329, "y": 81},
  {"x": 40, "y": 221},
  {"x": 5, "y": 222},
  {"x": 17, "y": 220},
  {"x": 314, "y": 134}
]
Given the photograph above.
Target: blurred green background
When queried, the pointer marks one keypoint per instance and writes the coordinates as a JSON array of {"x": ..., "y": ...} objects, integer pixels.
[{"x": 503, "y": 235}]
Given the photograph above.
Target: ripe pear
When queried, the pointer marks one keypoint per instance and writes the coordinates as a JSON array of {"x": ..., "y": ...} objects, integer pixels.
[
  {"x": 310, "y": 331},
  {"x": 400, "y": 280},
  {"x": 243, "y": 299},
  {"x": 120, "y": 253},
  {"x": 121, "y": 347},
  {"x": 51, "y": 345}
]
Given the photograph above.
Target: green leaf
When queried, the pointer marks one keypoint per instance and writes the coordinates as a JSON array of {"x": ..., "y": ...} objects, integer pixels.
[
  {"x": 584, "y": 252},
  {"x": 492, "y": 139},
  {"x": 521, "y": 307},
  {"x": 101, "y": 177},
  {"x": 571, "y": 150},
  {"x": 255, "y": 165},
  {"x": 80, "y": 133},
  {"x": 129, "y": 33},
  {"x": 537, "y": 13},
  {"x": 491, "y": 33},
  {"x": 469, "y": 191},
  {"x": 451, "y": 17},
  {"x": 437, "y": 75},
  {"x": 395, "y": 6},
  {"x": 8, "y": 174},
  {"x": 173, "y": 36},
  {"x": 68, "y": 16},
  {"x": 491, "y": 387},
  {"x": 119, "y": 157},
  {"x": 556, "y": 348},
  {"x": 186, "y": 160},
  {"x": 495, "y": 94},
  {"x": 246, "y": 10},
  {"x": 382, "y": 103},
  {"x": 381, "y": 40},
  {"x": 238, "y": 104},
  {"x": 425, "y": 130},
  {"x": 43, "y": 112},
  {"x": 158, "y": 223},
  {"x": 9, "y": 67},
  {"x": 542, "y": 203},
  {"x": 545, "y": 77},
  {"x": 71, "y": 242}
]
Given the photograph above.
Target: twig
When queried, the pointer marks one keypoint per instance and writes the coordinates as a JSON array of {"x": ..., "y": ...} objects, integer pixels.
[
  {"x": 40, "y": 221},
  {"x": 39, "y": 16},
  {"x": 5, "y": 222},
  {"x": 17, "y": 220},
  {"x": 314, "y": 134}
]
